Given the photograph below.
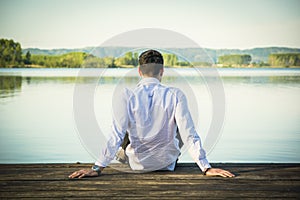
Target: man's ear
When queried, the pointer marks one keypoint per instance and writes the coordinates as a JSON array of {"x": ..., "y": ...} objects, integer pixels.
[
  {"x": 140, "y": 72},
  {"x": 161, "y": 72}
]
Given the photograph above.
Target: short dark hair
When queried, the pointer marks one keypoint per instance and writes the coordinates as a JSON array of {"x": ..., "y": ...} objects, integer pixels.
[{"x": 151, "y": 62}]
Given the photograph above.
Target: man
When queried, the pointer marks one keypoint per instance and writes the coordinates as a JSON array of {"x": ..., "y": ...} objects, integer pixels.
[{"x": 151, "y": 114}]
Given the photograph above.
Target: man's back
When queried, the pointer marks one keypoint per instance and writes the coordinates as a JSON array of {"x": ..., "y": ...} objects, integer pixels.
[{"x": 151, "y": 126}]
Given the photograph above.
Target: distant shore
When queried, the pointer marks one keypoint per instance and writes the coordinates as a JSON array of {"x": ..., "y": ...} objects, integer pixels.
[
  {"x": 13, "y": 56},
  {"x": 218, "y": 66},
  {"x": 200, "y": 66}
]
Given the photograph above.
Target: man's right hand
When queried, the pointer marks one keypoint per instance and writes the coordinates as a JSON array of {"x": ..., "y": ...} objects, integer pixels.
[
  {"x": 84, "y": 173},
  {"x": 219, "y": 172}
]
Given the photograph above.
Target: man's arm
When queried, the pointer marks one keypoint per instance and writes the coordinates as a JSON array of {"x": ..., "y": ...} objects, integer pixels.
[
  {"x": 119, "y": 127},
  {"x": 191, "y": 138},
  {"x": 106, "y": 156}
]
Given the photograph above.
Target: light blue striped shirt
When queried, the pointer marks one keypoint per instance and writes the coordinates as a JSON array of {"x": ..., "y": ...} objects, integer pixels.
[{"x": 151, "y": 114}]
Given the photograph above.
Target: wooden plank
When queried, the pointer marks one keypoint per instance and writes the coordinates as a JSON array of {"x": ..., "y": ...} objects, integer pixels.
[{"x": 51, "y": 181}]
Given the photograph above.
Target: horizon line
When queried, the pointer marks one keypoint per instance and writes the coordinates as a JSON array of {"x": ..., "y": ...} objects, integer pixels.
[{"x": 223, "y": 48}]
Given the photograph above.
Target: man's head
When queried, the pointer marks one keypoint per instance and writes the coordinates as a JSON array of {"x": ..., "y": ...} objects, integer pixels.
[{"x": 151, "y": 64}]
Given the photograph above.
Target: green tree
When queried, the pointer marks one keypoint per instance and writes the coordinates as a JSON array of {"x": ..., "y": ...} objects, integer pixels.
[
  {"x": 109, "y": 62},
  {"x": 18, "y": 53},
  {"x": 129, "y": 59},
  {"x": 135, "y": 61},
  {"x": 170, "y": 60},
  {"x": 235, "y": 59},
  {"x": 284, "y": 59},
  {"x": 10, "y": 53},
  {"x": 27, "y": 59}
]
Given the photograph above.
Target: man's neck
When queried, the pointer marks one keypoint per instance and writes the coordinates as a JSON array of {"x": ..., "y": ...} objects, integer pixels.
[{"x": 157, "y": 77}]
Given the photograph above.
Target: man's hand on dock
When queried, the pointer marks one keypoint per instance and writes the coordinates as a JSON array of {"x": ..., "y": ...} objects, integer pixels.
[
  {"x": 83, "y": 173},
  {"x": 218, "y": 172}
]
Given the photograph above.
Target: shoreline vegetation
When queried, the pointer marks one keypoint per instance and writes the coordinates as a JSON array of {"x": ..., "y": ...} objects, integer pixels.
[{"x": 11, "y": 56}]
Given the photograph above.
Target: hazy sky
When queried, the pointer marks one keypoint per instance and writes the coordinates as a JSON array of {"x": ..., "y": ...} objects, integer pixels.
[{"x": 212, "y": 23}]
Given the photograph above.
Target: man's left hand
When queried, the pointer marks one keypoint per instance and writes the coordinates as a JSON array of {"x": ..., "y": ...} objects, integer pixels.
[{"x": 83, "y": 173}]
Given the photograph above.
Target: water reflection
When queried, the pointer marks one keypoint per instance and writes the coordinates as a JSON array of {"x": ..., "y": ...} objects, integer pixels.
[
  {"x": 10, "y": 86},
  {"x": 262, "y": 79}
]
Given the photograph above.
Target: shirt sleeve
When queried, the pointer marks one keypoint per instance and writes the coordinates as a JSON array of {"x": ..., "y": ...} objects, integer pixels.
[
  {"x": 188, "y": 133},
  {"x": 118, "y": 129}
]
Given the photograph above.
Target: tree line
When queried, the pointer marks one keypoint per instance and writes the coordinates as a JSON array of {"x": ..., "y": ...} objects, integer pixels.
[
  {"x": 285, "y": 59},
  {"x": 11, "y": 56},
  {"x": 276, "y": 60}
]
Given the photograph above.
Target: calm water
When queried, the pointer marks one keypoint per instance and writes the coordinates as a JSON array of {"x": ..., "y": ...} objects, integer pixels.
[{"x": 262, "y": 122}]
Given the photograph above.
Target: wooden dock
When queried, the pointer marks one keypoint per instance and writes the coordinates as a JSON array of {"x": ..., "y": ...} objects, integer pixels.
[{"x": 45, "y": 181}]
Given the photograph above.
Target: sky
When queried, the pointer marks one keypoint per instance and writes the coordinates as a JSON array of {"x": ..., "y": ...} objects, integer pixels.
[{"x": 239, "y": 24}]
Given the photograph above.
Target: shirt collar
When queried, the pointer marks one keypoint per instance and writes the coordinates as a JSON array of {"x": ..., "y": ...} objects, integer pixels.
[{"x": 148, "y": 80}]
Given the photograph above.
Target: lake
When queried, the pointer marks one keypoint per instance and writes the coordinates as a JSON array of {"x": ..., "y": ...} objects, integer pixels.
[{"x": 261, "y": 112}]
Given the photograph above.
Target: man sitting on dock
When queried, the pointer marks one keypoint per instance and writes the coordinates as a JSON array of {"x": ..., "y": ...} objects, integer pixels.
[{"x": 146, "y": 122}]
